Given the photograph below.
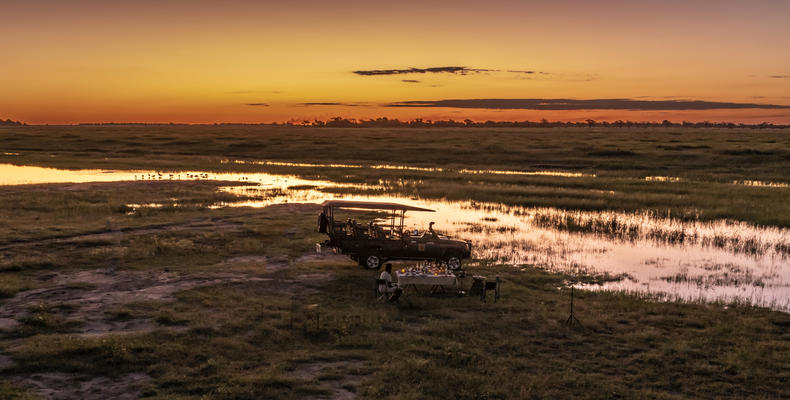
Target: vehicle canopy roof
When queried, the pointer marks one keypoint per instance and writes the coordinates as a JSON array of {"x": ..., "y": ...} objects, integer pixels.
[{"x": 371, "y": 205}]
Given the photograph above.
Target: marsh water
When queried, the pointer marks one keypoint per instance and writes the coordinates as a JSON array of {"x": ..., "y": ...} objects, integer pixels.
[{"x": 667, "y": 259}]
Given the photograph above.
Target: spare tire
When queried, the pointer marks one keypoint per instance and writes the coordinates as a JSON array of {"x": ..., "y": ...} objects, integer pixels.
[
  {"x": 453, "y": 262},
  {"x": 371, "y": 261}
]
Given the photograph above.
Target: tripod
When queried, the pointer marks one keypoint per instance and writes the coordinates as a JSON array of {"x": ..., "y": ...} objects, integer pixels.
[{"x": 572, "y": 318}]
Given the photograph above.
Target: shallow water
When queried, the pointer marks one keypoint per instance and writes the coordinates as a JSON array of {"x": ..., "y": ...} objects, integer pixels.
[
  {"x": 694, "y": 261},
  {"x": 413, "y": 168},
  {"x": 21, "y": 175}
]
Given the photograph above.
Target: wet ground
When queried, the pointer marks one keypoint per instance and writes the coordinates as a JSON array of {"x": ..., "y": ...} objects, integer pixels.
[{"x": 663, "y": 257}]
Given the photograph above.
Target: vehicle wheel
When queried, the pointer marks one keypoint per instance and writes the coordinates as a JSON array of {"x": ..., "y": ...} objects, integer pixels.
[
  {"x": 453, "y": 263},
  {"x": 371, "y": 261}
]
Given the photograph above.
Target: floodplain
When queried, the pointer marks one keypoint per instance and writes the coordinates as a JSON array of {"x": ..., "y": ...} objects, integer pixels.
[{"x": 178, "y": 262}]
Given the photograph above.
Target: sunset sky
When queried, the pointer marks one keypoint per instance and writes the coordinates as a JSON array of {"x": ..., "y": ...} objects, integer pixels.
[{"x": 259, "y": 61}]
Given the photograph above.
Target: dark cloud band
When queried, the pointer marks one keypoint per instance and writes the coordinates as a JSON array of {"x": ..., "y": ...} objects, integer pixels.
[
  {"x": 527, "y": 72},
  {"x": 432, "y": 70},
  {"x": 593, "y": 104},
  {"x": 333, "y": 104}
]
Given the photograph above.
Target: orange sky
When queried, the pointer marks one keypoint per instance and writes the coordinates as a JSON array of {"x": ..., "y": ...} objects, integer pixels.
[{"x": 206, "y": 61}]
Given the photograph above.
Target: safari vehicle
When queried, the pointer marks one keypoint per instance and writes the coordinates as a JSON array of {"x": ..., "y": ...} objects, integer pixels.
[{"x": 383, "y": 238}]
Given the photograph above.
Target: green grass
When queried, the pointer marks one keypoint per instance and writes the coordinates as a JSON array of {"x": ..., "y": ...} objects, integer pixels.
[
  {"x": 251, "y": 339},
  {"x": 10, "y": 391},
  {"x": 701, "y": 154},
  {"x": 239, "y": 340},
  {"x": 707, "y": 161},
  {"x": 98, "y": 207}
]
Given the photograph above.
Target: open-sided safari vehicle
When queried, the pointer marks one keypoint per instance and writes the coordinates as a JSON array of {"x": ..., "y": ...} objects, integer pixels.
[{"x": 383, "y": 238}]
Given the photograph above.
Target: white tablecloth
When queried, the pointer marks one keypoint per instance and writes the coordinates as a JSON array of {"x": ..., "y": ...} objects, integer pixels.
[{"x": 427, "y": 280}]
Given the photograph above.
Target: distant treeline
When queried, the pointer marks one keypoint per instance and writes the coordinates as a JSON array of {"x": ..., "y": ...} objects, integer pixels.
[
  {"x": 383, "y": 122},
  {"x": 339, "y": 122},
  {"x": 8, "y": 122}
]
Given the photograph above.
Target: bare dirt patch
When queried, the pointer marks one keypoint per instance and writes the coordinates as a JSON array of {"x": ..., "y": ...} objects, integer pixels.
[
  {"x": 340, "y": 378},
  {"x": 302, "y": 285},
  {"x": 85, "y": 297},
  {"x": 323, "y": 258},
  {"x": 7, "y": 324},
  {"x": 254, "y": 264},
  {"x": 62, "y": 386},
  {"x": 5, "y": 361}
]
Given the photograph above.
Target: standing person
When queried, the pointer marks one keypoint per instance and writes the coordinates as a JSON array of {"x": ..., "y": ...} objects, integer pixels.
[
  {"x": 387, "y": 286},
  {"x": 323, "y": 222}
]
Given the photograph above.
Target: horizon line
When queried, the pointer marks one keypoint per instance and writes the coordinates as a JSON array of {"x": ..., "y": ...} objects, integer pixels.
[{"x": 421, "y": 122}]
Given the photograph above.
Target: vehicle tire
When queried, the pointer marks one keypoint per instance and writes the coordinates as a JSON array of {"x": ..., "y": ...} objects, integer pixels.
[
  {"x": 453, "y": 263},
  {"x": 371, "y": 261}
]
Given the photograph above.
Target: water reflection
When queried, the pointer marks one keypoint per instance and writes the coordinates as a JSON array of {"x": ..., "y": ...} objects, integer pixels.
[
  {"x": 669, "y": 259},
  {"x": 663, "y": 179},
  {"x": 21, "y": 175},
  {"x": 761, "y": 184},
  {"x": 565, "y": 174}
]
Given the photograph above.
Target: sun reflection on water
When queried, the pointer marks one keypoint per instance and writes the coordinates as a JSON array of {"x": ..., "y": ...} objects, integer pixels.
[{"x": 566, "y": 174}]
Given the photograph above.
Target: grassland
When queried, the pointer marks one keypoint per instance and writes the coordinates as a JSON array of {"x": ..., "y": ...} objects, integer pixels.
[
  {"x": 99, "y": 299},
  {"x": 703, "y": 163},
  {"x": 235, "y": 324},
  {"x": 700, "y": 154}
]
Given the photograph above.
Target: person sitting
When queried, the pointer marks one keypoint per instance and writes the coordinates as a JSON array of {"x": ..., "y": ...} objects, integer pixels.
[
  {"x": 387, "y": 286},
  {"x": 351, "y": 227},
  {"x": 373, "y": 230},
  {"x": 430, "y": 228}
]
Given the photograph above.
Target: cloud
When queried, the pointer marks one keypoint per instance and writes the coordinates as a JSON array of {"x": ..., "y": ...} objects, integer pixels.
[
  {"x": 431, "y": 70},
  {"x": 324, "y": 103},
  {"x": 592, "y": 104},
  {"x": 780, "y": 76},
  {"x": 438, "y": 70},
  {"x": 658, "y": 97},
  {"x": 258, "y": 104},
  {"x": 527, "y": 72}
]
